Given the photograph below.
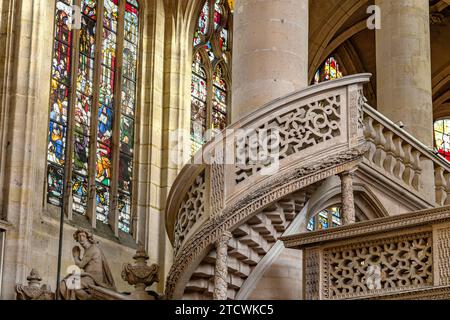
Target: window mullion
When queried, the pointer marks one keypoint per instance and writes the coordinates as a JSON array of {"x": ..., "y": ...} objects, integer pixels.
[
  {"x": 91, "y": 211},
  {"x": 75, "y": 56},
  {"x": 113, "y": 216}
]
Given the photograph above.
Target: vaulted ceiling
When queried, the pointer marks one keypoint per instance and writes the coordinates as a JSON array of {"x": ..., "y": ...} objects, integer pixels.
[{"x": 339, "y": 26}]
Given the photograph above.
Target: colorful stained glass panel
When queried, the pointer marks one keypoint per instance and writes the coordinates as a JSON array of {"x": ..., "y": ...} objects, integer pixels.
[
  {"x": 109, "y": 49},
  {"x": 102, "y": 199},
  {"x": 124, "y": 212},
  {"x": 63, "y": 22},
  {"x": 54, "y": 185},
  {"x": 125, "y": 173},
  {"x": 89, "y": 8},
  {"x": 80, "y": 194},
  {"x": 61, "y": 63},
  {"x": 126, "y": 135},
  {"x": 83, "y": 114},
  {"x": 105, "y": 121},
  {"x": 81, "y": 154},
  {"x": 103, "y": 165},
  {"x": 59, "y": 102},
  {"x": 111, "y": 14},
  {"x": 56, "y": 143},
  {"x": 85, "y": 75}
]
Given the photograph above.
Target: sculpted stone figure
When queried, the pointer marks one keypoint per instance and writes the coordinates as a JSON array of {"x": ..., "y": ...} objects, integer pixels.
[{"x": 95, "y": 269}]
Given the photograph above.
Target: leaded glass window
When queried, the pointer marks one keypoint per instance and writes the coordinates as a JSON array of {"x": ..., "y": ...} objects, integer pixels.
[
  {"x": 92, "y": 110},
  {"x": 442, "y": 137},
  {"x": 210, "y": 94},
  {"x": 325, "y": 219},
  {"x": 330, "y": 70}
]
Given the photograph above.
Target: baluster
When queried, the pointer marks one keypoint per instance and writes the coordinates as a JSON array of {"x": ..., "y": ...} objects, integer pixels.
[
  {"x": 400, "y": 157},
  {"x": 389, "y": 162},
  {"x": 417, "y": 169},
  {"x": 440, "y": 185},
  {"x": 447, "y": 189},
  {"x": 408, "y": 174},
  {"x": 380, "y": 141},
  {"x": 370, "y": 135}
]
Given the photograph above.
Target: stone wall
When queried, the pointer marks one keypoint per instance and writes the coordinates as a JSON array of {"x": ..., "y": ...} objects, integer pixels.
[{"x": 282, "y": 281}]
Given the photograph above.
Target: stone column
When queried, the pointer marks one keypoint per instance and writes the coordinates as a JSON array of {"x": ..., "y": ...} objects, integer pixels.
[
  {"x": 404, "y": 66},
  {"x": 348, "y": 201},
  {"x": 221, "y": 270},
  {"x": 270, "y": 52}
]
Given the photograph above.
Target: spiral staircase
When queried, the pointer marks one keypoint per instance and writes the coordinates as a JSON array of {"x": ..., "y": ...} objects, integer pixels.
[{"x": 323, "y": 130}]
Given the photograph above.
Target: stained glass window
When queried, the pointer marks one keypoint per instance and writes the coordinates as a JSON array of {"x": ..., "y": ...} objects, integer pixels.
[
  {"x": 442, "y": 137},
  {"x": 330, "y": 70},
  {"x": 210, "y": 76},
  {"x": 92, "y": 151},
  {"x": 325, "y": 219}
]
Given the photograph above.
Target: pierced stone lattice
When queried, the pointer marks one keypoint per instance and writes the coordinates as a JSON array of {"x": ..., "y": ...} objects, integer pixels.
[
  {"x": 405, "y": 263},
  {"x": 191, "y": 210},
  {"x": 303, "y": 127}
]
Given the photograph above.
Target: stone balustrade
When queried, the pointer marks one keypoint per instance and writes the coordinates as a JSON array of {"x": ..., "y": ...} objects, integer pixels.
[
  {"x": 398, "y": 256},
  {"x": 404, "y": 159}
]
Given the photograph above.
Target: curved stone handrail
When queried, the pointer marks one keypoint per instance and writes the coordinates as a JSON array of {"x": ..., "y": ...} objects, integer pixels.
[
  {"x": 403, "y": 158},
  {"x": 209, "y": 199}
]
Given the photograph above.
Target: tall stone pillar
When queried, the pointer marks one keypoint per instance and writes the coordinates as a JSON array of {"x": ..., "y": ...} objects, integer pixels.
[
  {"x": 404, "y": 66},
  {"x": 348, "y": 200},
  {"x": 270, "y": 52},
  {"x": 221, "y": 270}
]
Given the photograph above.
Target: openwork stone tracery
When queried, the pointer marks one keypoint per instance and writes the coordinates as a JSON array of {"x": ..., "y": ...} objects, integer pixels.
[{"x": 404, "y": 262}]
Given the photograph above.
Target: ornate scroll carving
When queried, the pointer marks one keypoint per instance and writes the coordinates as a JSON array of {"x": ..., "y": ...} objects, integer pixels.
[
  {"x": 311, "y": 274},
  {"x": 34, "y": 290},
  {"x": 303, "y": 127},
  {"x": 140, "y": 275},
  {"x": 405, "y": 263},
  {"x": 191, "y": 210}
]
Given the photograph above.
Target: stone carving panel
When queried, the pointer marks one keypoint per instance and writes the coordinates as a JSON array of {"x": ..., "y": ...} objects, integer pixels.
[
  {"x": 402, "y": 263},
  {"x": 191, "y": 210},
  {"x": 311, "y": 273},
  {"x": 443, "y": 248},
  {"x": 302, "y": 127}
]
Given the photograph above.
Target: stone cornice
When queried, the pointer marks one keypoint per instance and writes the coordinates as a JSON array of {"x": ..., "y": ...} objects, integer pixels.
[
  {"x": 377, "y": 226},
  {"x": 431, "y": 293}
]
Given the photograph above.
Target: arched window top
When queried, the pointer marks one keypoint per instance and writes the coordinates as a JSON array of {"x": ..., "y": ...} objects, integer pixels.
[
  {"x": 210, "y": 75},
  {"x": 325, "y": 219},
  {"x": 442, "y": 137},
  {"x": 330, "y": 70},
  {"x": 92, "y": 110}
]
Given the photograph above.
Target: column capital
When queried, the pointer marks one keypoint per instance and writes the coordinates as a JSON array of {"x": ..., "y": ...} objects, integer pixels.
[
  {"x": 351, "y": 172},
  {"x": 223, "y": 239}
]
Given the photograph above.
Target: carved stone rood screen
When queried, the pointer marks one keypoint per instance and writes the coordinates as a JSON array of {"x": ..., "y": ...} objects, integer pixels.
[{"x": 400, "y": 257}]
